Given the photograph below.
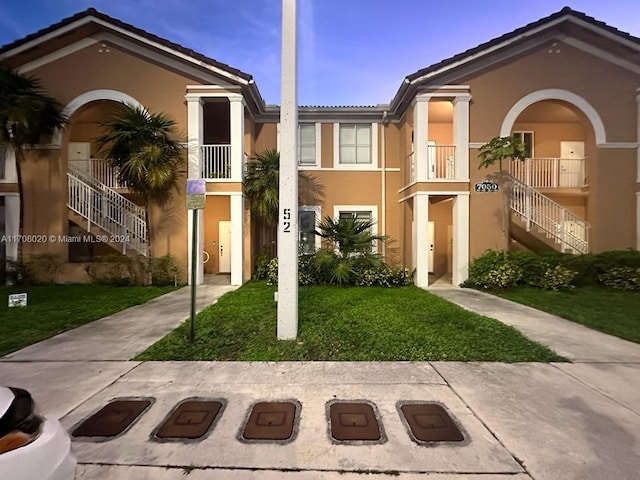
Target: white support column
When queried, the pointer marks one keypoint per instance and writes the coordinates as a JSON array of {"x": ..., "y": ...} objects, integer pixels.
[
  {"x": 461, "y": 135},
  {"x": 421, "y": 238},
  {"x": 236, "y": 114},
  {"x": 12, "y": 223},
  {"x": 10, "y": 171},
  {"x": 460, "y": 239},
  {"x": 420, "y": 137},
  {"x": 638, "y": 133},
  {"x": 195, "y": 135},
  {"x": 637, "y": 220},
  {"x": 288, "y": 210},
  {"x": 237, "y": 239}
]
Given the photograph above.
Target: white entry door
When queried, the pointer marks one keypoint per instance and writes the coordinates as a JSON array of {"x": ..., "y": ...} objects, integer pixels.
[
  {"x": 78, "y": 153},
  {"x": 431, "y": 159},
  {"x": 224, "y": 247},
  {"x": 432, "y": 240},
  {"x": 571, "y": 164}
]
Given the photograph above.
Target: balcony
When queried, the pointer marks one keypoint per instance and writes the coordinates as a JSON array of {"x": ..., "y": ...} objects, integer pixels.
[
  {"x": 441, "y": 163},
  {"x": 551, "y": 172},
  {"x": 216, "y": 162}
]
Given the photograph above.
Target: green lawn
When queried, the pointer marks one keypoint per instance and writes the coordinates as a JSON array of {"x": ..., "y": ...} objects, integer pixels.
[
  {"x": 56, "y": 308},
  {"x": 357, "y": 323},
  {"x": 615, "y": 312}
]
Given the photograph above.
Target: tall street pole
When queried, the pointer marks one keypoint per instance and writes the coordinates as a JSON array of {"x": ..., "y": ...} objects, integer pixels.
[{"x": 288, "y": 196}]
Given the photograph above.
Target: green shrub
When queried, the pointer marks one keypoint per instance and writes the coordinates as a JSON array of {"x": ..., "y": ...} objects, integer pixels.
[
  {"x": 114, "y": 269},
  {"x": 556, "y": 278},
  {"x": 272, "y": 272},
  {"x": 262, "y": 264},
  {"x": 621, "y": 278},
  {"x": 36, "y": 269},
  {"x": 325, "y": 267},
  {"x": 534, "y": 267},
  {"x": 164, "y": 270}
]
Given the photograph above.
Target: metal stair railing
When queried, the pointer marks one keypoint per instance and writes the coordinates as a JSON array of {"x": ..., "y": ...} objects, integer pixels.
[
  {"x": 569, "y": 231},
  {"x": 122, "y": 219}
]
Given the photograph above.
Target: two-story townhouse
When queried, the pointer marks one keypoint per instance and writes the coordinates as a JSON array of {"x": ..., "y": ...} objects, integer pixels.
[{"x": 567, "y": 85}]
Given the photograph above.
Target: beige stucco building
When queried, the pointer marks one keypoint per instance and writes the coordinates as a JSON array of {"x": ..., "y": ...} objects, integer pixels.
[{"x": 567, "y": 85}]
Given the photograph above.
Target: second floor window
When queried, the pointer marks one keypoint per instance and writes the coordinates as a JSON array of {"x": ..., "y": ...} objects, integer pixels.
[
  {"x": 527, "y": 140},
  {"x": 307, "y": 144},
  {"x": 355, "y": 144}
]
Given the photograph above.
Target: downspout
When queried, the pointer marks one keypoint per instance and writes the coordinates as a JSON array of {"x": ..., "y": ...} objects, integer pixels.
[{"x": 383, "y": 186}]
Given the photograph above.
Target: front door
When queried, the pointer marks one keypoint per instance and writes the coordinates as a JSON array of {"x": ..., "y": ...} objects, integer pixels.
[
  {"x": 432, "y": 240},
  {"x": 224, "y": 247},
  {"x": 571, "y": 164}
]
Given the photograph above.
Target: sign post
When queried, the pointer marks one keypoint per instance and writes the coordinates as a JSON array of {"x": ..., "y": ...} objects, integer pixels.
[
  {"x": 195, "y": 201},
  {"x": 288, "y": 195}
]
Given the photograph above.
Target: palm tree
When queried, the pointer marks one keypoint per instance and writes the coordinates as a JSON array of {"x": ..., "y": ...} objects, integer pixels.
[
  {"x": 142, "y": 147},
  {"x": 27, "y": 116},
  {"x": 349, "y": 248},
  {"x": 261, "y": 186},
  {"x": 348, "y": 236},
  {"x": 496, "y": 150}
]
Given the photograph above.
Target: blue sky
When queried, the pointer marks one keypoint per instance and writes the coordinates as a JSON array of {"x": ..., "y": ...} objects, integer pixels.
[{"x": 351, "y": 52}]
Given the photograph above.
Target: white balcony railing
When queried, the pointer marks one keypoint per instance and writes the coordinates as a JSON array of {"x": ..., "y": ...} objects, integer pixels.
[
  {"x": 98, "y": 169},
  {"x": 216, "y": 161},
  {"x": 441, "y": 163},
  {"x": 551, "y": 172}
]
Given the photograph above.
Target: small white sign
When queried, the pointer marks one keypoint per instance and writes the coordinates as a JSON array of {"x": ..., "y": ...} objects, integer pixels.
[{"x": 18, "y": 300}]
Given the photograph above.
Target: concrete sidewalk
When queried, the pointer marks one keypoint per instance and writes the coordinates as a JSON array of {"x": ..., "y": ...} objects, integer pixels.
[
  {"x": 561, "y": 421},
  {"x": 125, "y": 334},
  {"x": 571, "y": 340}
]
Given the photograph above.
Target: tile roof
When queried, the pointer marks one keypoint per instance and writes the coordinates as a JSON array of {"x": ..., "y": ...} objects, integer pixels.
[
  {"x": 92, "y": 12},
  {"x": 517, "y": 32}
]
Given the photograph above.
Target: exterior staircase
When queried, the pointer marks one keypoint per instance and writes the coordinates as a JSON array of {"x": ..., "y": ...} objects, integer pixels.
[
  {"x": 117, "y": 220},
  {"x": 547, "y": 221}
]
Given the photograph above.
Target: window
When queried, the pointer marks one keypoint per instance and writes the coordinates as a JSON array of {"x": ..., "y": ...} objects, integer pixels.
[
  {"x": 307, "y": 144},
  {"x": 362, "y": 213},
  {"x": 355, "y": 144},
  {"x": 527, "y": 140},
  {"x": 307, "y": 239}
]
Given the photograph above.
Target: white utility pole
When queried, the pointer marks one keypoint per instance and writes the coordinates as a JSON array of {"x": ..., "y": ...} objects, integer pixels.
[{"x": 288, "y": 214}]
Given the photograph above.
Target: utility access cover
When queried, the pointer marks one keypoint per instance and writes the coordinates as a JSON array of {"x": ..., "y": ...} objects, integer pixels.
[
  {"x": 430, "y": 422},
  {"x": 271, "y": 421},
  {"x": 190, "y": 419},
  {"x": 353, "y": 421},
  {"x": 113, "y": 419}
]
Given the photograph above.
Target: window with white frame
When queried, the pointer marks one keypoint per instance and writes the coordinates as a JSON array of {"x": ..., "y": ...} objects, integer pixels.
[
  {"x": 361, "y": 213},
  {"x": 527, "y": 140},
  {"x": 355, "y": 143},
  {"x": 307, "y": 218},
  {"x": 307, "y": 144}
]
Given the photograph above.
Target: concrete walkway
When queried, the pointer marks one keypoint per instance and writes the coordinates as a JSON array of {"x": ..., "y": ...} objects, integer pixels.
[
  {"x": 560, "y": 421},
  {"x": 125, "y": 334}
]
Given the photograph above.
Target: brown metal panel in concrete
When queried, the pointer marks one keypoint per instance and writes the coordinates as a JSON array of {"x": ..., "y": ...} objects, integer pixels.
[
  {"x": 113, "y": 419},
  {"x": 430, "y": 422},
  {"x": 271, "y": 421},
  {"x": 191, "y": 419},
  {"x": 354, "y": 421}
]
